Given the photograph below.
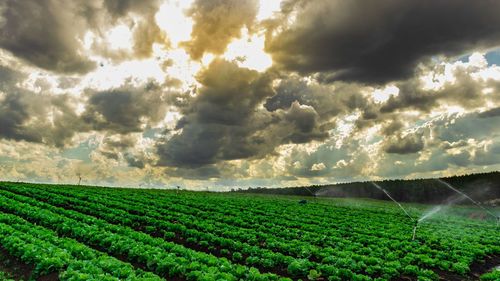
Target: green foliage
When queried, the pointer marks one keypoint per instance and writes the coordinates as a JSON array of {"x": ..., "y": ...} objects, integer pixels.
[
  {"x": 5, "y": 276},
  {"x": 331, "y": 241},
  {"x": 168, "y": 235},
  {"x": 428, "y": 191},
  {"x": 237, "y": 256},
  {"x": 460, "y": 268},
  {"x": 492, "y": 276},
  {"x": 299, "y": 267},
  {"x": 313, "y": 274}
]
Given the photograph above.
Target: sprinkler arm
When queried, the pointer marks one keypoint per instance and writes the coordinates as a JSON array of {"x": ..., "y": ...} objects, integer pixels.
[{"x": 414, "y": 231}]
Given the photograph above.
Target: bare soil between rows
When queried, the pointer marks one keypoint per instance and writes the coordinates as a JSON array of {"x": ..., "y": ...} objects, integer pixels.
[{"x": 19, "y": 270}]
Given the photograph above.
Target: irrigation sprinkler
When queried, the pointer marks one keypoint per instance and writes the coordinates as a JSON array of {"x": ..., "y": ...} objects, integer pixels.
[
  {"x": 400, "y": 206},
  {"x": 177, "y": 191},
  {"x": 388, "y": 195},
  {"x": 414, "y": 231},
  {"x": 472, "y": 200},
  {"x": 313, "y": 194}
]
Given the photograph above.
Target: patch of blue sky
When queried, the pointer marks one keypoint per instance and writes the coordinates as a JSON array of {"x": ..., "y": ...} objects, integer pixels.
[
  {"x": 81, "y": 152},
  {"x": 4, "y": 160},
  {"x": 152, "y": 133},
  {"x": 373, "y": 140},
  {"x": 464, "y": 58},
  {"x": 420, "y": 123},
  {"x": 493, "y": 57}
]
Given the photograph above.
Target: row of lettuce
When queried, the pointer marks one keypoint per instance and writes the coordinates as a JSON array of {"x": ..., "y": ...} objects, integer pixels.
[
  {"x": 439, "y": 252},
  {"x": 154, "y": 254},
  {"x": 339, "y": 243},
  {"x": 5, "y": 276},
  {"x": 49, "y": 253}
]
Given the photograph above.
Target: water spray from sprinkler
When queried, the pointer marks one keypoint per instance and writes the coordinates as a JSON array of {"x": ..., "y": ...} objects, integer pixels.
[
  {"x": 472, "y": 200},
  {"x": 388, "y": 195},
  {"x": 313, "y": 194}
]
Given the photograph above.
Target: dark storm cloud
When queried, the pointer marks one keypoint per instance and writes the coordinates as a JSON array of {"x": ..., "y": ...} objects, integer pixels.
[
  {"x": 339, "y": 99},
  {"x": 216, "y": 123},
  {"x": 125, "y": 109},
  {"x": 473, "y": 137},
  {"x": 217, "y": 22},
  {"x": 327, "y": 100},
  {"x": 347, "y": 161},
  {"x": 145, "y": 35},
  {"x": 451, "y": 141},
  {"x": 224, "y": 121},
  {"x": 305, "y": 119},
  {"x": 404, "y": 145},
  {"x": 489, "y": 155},
  {"x": 53, "y": 119},
  {"x": 490, "y": 113},
  {"x": 32, "y": 117},
  {"x": 118, "y": 147},
  {"x": 456, "y": 128},
  {"x": 398, "y": 113},
  {"x": 380, "y": 41},
  {"x": 45, "y": 33},
  {"x": 200, "y": 173},
  {"x": 392, "y": 127},
  {"x": 49, "y": 34},
  {"x": 119, "y": 144},
  {"x": 134, "y": 161},
  {"x": 465, "y": 92},
  {"x": 146, "y": 31},
  {"x": 119, "y": 8}
]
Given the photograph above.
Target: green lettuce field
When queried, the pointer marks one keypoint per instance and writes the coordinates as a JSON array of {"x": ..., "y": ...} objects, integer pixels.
[{"x": 55, "y": 232}]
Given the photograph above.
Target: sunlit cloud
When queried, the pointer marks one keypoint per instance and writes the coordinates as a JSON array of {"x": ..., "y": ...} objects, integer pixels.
[
  {"x": 109, "y": 75},
  {"x": 120, "y": 37},
  {"x": 249, "y": 52},
  {"x": 170, "y": 18},
  {"x": 268, "y": 9},
  {"x": 382, "y": 95}
]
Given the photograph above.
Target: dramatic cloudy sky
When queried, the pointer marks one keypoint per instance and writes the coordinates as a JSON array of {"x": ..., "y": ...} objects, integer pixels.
[{"x": 238, "y": 93}]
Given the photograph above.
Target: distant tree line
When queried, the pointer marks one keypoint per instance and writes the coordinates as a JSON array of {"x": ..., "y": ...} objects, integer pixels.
[{"x": 481, "y": 187}]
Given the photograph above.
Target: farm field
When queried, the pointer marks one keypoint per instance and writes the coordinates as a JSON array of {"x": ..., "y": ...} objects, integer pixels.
[{"x": 56, "y": 232}]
